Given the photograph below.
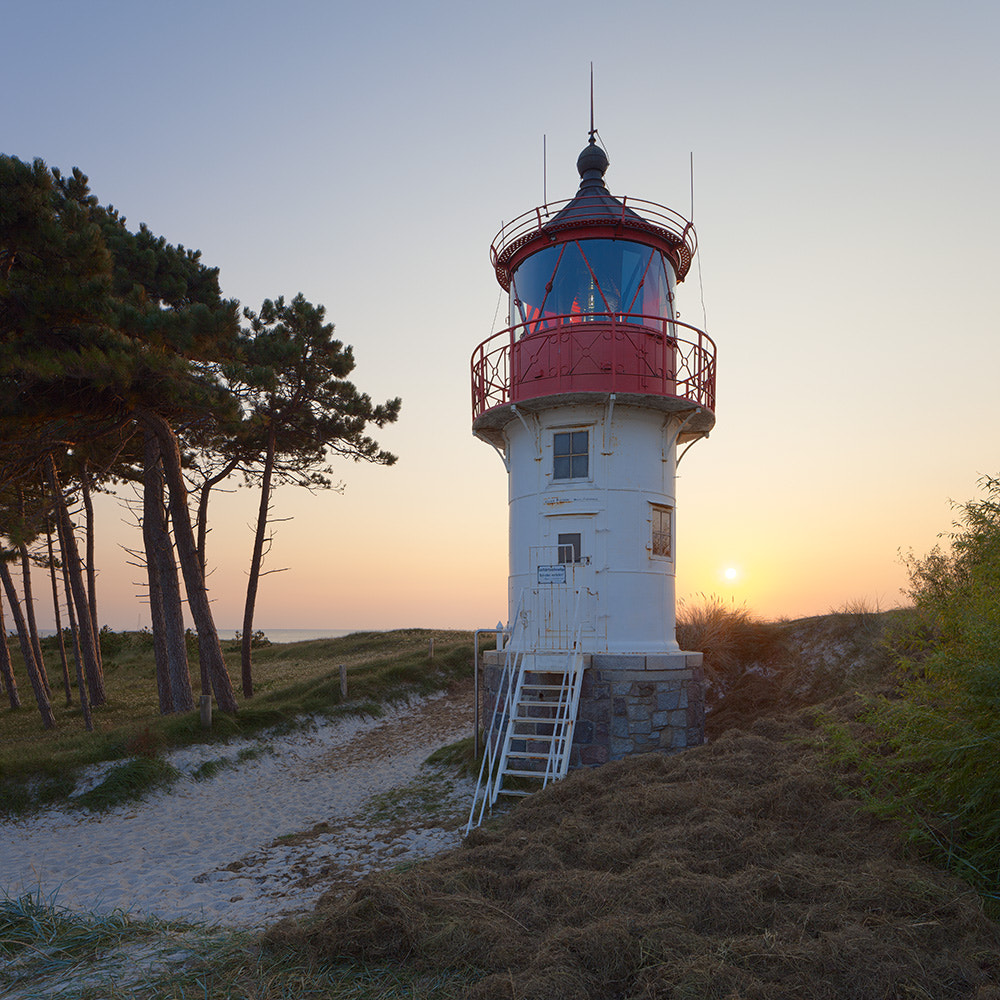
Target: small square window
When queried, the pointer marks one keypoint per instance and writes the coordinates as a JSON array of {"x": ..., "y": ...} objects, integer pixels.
[
  {"x": 660, "y": 524},
  {"x": 571, "y": 455},
  {"x": 569, "y": 547}
]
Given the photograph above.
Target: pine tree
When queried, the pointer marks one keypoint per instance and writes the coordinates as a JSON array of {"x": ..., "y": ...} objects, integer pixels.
[{"x": 303, "y": 409}]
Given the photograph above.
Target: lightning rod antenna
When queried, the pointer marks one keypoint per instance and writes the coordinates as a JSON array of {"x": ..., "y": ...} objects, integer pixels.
[
  {"x": 545, "y": 175},
  {"x": 691, "y": 170},
  {"x": 592, "y": 129}
]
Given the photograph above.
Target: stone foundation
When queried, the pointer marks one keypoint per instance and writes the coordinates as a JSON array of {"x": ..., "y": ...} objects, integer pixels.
[{"x": 629, "y": 704}]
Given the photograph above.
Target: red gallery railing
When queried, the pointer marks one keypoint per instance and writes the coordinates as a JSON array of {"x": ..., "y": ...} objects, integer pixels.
[
  {"x": 594, "y": 352},
  {"x": 621, "y": 214}
]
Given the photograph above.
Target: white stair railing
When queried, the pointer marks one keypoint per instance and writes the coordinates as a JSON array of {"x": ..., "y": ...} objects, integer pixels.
[
  {"x": 489, "y": 772},
  {"x": 533, "y": 721}
]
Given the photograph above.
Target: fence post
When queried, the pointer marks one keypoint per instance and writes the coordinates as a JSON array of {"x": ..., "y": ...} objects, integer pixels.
[{"x": 343, "y": 682}]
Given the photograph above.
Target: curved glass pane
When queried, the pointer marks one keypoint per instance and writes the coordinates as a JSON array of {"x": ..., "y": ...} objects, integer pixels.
[{"x": 590, "y": 278}]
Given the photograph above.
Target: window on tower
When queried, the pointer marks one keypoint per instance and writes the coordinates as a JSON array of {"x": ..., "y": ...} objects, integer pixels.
[
  {"x": 569, "y": 547},
  {"x": 660, "y": 521},
  {"x": 571, "y": 455}
]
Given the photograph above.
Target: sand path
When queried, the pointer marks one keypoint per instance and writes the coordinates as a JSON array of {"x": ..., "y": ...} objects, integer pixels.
[{"x": 263, "y": 837}]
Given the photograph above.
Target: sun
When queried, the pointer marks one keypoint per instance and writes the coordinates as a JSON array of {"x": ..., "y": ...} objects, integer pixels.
[{"x": 731, "y": 573}]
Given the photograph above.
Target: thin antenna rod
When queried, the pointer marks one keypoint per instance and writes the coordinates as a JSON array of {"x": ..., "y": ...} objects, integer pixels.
[
  {"x": 545, "y": 176},
  {"x": 592, "y": 129},
  {"x": 691, "y": 169}
]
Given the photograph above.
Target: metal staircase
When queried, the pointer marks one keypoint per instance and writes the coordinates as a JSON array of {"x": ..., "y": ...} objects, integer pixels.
[{"x": 530, "y": 735}]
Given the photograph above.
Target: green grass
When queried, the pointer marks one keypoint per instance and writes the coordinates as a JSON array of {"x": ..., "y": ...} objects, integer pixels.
[
  {"x": 293, "y": 681},
  {"x": 127, "y": 782}
]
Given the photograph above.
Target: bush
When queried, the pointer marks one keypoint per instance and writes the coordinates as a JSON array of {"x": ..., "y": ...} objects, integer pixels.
[{"x": 933, "y": 758}]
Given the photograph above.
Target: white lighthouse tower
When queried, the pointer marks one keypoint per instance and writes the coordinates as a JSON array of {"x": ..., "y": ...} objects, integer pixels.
[{"x": 586, "y": 396}]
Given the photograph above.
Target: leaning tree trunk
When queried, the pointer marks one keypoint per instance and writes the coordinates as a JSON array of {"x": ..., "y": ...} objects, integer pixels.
[
  {"x": 29, "y": 610},
  {"x": 209, "y": 650},
  {"x": 169, "y": 645},
  {"x": 202, "y": 519},
  {"x": 58, "y": 615},
  {"x": 246, "y": 640},
  {"x": 159, "y": 627},
  {"x": 6, "y": 667},
  {"x": 81, "y": 684},
  {"x": 88, "y": 506},
  {"x": 44, "y": 705},
  {"x": 71, "y": 560}
]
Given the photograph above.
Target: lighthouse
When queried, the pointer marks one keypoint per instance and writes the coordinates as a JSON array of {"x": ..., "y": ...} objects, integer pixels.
[{"x": 589, "y": 396}]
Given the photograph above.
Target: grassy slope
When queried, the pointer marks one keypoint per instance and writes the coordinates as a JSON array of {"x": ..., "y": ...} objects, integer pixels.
[{"x": 291, "y": 679}]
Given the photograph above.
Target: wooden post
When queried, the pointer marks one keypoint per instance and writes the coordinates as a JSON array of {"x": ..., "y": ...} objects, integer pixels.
[
  {"x": 431, "y": 652},
  {"x": 205, "y": 707},
  {"x": 343, "y": 682}
]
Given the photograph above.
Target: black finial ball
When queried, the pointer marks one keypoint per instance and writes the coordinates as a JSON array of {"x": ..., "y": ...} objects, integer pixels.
[{"x": 592, "y": 158}]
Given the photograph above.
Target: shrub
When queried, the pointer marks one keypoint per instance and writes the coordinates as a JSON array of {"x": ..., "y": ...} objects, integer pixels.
[{"x": 933, "y": 759}]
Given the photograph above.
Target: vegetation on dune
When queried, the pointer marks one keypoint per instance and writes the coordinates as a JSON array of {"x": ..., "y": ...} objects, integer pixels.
[
  {"x": 931, "y": 749},
  {"x": 295, "y": 681},
  {"x": 734, "y": 870}
]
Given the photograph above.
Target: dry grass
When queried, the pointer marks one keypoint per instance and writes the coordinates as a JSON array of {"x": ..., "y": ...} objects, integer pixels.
[{"x": 733, "y": 871}]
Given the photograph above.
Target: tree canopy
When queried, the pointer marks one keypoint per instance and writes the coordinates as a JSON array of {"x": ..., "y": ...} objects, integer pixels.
[{"x": 119, "y": 359}]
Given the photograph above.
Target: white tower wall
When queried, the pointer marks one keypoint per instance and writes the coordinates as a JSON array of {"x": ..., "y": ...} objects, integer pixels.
[{"x": 626, "y": 581}]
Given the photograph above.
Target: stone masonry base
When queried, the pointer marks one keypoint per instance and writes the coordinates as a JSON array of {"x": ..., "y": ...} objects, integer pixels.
[{"x": 629, "y": 704}]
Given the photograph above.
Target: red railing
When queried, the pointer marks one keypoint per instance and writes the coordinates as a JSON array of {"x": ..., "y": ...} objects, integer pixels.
[
  {"x": 634, "y": 213},
  {"x": 595, "y": 352}
]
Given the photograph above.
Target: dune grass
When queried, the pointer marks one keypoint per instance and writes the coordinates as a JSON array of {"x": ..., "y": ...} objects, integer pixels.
[
  {"x": 47, "y": 951},
  {"x": 292, "y": 681}
]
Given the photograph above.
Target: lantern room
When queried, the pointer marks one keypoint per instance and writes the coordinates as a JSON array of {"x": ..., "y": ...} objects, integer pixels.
[{"x": 591, "y": 284}]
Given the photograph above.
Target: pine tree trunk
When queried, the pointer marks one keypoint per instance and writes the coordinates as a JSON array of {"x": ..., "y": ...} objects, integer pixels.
[
  {"x": 81, "y": 683},
  {"x": 202, "y": 519},
  {"x": 246, "y": 640},
  {"x": 71, "y": 562},
  {"x": 169, "y": 645},
  {"x": 29, "y": 609},
  {"x": 88, "y": 506},
  {"x": 209, "y": 650},
  {"x": 58, "y": 615},
  {"x": 44, "y": 706},
  {"x": 6, "y": 667}
]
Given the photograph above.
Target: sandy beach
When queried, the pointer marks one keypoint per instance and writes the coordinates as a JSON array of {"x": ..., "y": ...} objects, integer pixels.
[{"x": 265, "y": 836}]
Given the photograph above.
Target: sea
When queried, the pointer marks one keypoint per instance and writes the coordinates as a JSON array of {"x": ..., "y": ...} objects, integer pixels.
[
  {"x": 274, "y": 634},
  {"x": 295, "y": 634}
]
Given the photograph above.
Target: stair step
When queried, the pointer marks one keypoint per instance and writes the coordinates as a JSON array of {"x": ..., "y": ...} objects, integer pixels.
[
  {"x": 520, "y": 792},
  {"x": 512, "y": 773}
]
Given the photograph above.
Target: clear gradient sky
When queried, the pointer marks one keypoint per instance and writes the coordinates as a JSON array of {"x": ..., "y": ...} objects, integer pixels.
[{"x": 846, "y": 199}]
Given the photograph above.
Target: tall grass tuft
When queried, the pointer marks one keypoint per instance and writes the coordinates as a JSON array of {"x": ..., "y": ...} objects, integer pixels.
[{"x": 741, "y": 657}]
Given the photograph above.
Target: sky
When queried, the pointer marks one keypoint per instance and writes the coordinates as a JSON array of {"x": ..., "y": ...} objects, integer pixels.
[{"x": 844, "y": 192}]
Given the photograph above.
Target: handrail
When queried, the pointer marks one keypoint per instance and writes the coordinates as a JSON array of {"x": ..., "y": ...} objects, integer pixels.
[
  {"x": 568, "y": 704},
  {"x": 608, "y": 351},
  {"x": 634, "y": 213},
  {"x": 490, "y": 756}
]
